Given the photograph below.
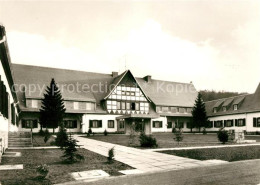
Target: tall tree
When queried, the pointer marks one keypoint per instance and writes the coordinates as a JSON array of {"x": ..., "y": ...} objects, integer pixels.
[
  {"x": 199, "y": 115},
  {"x": 53, "y": 109}
]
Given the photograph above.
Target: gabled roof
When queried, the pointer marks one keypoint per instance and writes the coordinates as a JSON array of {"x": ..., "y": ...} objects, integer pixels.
[
  {"x": 246, "y": 103},
  {"x": 227, "y": 102},
  {"x": 166, "y": 93},
  {"x": 120, "y": 78},
  {"x": 163, "y": 93},
  {"x": 219, "y": 103}
]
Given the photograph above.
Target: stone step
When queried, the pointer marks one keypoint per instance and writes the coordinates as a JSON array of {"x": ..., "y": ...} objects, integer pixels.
[{"x": 20, "y": 145}]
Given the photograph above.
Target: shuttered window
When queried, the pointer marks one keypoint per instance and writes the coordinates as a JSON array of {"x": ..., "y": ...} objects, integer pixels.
[
  {"x": 95, "y": 123},
  {"x": 240, "y": 122},
  {"x": 29, "y": 123},
  {"x": 256, "y": 122},
  {"x": 157, "y": 124},
  {"x": 70, "y": 123},
  {"x": 110, "y": 124}
]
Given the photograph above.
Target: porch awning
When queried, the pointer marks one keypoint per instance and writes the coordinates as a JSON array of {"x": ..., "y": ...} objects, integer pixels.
[{"x": 143, "y": 116}]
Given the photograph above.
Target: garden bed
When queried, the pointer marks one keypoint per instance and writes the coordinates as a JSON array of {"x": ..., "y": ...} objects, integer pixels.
[
  {"x": 59, "y": 172},
  {"x": 227, "y": 154}
]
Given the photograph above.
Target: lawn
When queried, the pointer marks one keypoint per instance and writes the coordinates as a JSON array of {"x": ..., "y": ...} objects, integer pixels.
[
  {"x": 59, "y": 172},
  {"x": 39, "y": 140},
  {"x": 165, "y": 140},
  {"x": 227, "y": 154}
]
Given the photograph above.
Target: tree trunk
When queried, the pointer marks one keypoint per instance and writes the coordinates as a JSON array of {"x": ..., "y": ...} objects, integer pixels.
[
  {"x": 190, "y": 129},
  {"x": 199, "y": 129},
  {"x": 53, "y": 130}
]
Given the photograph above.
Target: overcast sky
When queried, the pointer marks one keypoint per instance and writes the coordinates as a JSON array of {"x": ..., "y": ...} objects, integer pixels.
[{"x": 214, "y": 44}]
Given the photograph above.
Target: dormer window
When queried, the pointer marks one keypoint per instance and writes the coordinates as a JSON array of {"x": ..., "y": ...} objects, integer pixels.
[
  {"x": 235, "y": 107},
  {"x": 224, "y": 108},
  {"x": 215, "y": 110}
]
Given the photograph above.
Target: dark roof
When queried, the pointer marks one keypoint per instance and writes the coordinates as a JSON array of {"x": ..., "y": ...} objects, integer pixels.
[
  {"x": 168, "y": 93},
  {"x": 246, "y": 103},
  {"x": 159, "y": 92},
  {"x": 6, "y": 60}
]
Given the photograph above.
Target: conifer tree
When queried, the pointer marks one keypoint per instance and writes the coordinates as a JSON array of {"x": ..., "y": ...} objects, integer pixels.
[
  {"x": 52, "y": 109},
  {"x": 199, "y": 115}
]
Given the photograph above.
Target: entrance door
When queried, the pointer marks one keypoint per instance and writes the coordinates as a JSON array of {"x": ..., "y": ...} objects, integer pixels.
[{"x": 139, "y": 126}]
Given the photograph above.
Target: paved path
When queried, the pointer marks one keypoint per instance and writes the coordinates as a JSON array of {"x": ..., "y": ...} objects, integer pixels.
[{"x": 144, "y": 160}]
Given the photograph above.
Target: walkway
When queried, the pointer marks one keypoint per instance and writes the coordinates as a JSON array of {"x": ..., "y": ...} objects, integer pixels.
[{"x": 143, "y": 160}]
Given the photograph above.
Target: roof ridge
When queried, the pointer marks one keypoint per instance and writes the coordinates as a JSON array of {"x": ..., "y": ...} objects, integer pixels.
[
  {"x": 230, "y": 97},
  {"x": 55, "y": 68},
  {"x": 167, "y": 81}
]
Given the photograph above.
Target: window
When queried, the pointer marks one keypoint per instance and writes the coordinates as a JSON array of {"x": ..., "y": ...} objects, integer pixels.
[
  {"x": 118, "y": 105},
  {"x": 29, "y": 123},
  {"x": 224, "y": 108},
  {"x": 240, "y": 122},
  {"x": 110, "y": 124},
  {"x": 173, "y": 109},
  {"x": 76, "y": 105},
  {"x": 181, "y": 110},
  {"x": 121, "y": 124},
  {"x": 165, "y": 109},
  {"x": 179, "y": 125},
  {"x": 132, "y": 93},
  {"x": 132, "y": 106},
  {"x": 34, "y": 103},
  {"x": 95, "y": 123},
  {"x": 169, "y": 125},
  {"x": 228, "y": 123},
  {"x": 215, "y": 110},
  {"x": 128, "y": 106},
  {"x": 256, "y": 122},
  {"x": 218, "y": 124},
  {"x": 157, "y": 124},
  {"x": 123, "y": 105},
  {"x": 210, "y": 124},
  {"x": 235, "y": 107},
  {"x": 70, "y": 123}
]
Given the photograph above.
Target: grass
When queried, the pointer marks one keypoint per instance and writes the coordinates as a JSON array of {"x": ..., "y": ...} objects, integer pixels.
[
  {"x": 227, "y": 154},
  {"x": 59, "y": 171},
  {"x": 39, "y": 140},
  {"x": 165, "y": 140}
]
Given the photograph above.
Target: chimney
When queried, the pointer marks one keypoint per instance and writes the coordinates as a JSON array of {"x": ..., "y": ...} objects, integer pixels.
[
  {"x": 114, "y": 74},
  {"x": 148, "y": 78}
]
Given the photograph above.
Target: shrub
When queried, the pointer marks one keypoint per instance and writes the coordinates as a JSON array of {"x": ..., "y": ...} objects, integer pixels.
[
  {"x": 43, "y": 170},
  {"x": 62, "y": 136},
  {"x": 41, "y": 132},
  {"x": 204, "y": 132},
  {"x": 147, "y": 141},
  {"x": 47, "y": 135},
  {"x": 173, "y": 130},
  {"x": 222, "y": 135},
  {"x": 89, "y": 132},
  {"x": 70, "y": 151},
  {"x": 178, "y": 135},
  {"x": 111, "y": 155},
  {"x": 105, "y": 133}
]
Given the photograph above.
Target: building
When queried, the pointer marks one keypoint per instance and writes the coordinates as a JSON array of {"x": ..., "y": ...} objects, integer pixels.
[
  {"x": 101, "y": 102},
  {"x": 8, "y": 99},
  {"x": 236, "y": 113}
]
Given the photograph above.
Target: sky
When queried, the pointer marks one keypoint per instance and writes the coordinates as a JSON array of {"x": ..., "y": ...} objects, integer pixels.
[{"x": 214, "y": 44}]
